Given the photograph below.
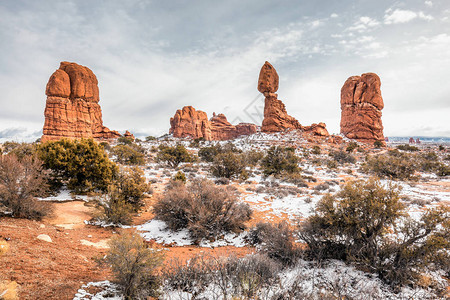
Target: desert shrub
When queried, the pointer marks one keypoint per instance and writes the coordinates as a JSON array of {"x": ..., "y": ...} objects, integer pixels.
[
  {"x": 355, "y": 225},
  {"x": 322, "y": 186},
  {"x": 229, "y": 165},
  {"x": 378, "y": 144},
  {"x": 395, "y": 165},
  {"x": 203, "y": 208},
  {"x": 132, "y": 185},
  {"x": 81, "y": 164},
  {"x": 114, "y": 209},
  {"x": 208, "y": 153},
  {"x": 179, "y": 177},
  {"x": 134, "y": 265},
  {"x": 342, "y": 157},
  {"x": 150, "y": 138},
  {"x": 276, "y": 241},
  {"x": 20, "y": 182},
  {"x": 252, "y": 157},
  {"x": 316, "y": 150},
  {"x": 105, "y": 145},
  {"x": 294, "y": 178},
  {"x": 279, "y": 159},
  {"x": 406, "y": 147},
  {"x": 351, "y": 146},
  {"x": 192, "y": 277},
  {"x": 196, "y": 142},
  {"x": 173, "y": 156},
  {"x": 22, "y": 150},
  {"x": 125, "y": 140},
  {"x": 238, "y": 278},
  {"x": 8, "y": 146},
  {"x": 129, "y": 154},
  {"x": 222, "y": 181},
  {"x": 331, "y": 164},
  {"x": 249, "y": 274}
]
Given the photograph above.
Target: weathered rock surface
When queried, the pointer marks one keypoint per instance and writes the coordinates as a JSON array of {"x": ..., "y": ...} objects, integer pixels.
[
  {"x": 276, "y": 117},
  {"x": 189, "y": 122},
  {"x": 361, "y": 105},
  {"x": 317, "y": 129},
  {"x": 72, "y": 109}
]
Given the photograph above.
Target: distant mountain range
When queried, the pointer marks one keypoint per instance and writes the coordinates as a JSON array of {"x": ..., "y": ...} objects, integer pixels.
[{"x": 423, "y": 139}]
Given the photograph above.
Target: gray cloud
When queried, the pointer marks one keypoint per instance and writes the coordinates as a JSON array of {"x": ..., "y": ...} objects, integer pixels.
[{"x": 152, "y": 58}]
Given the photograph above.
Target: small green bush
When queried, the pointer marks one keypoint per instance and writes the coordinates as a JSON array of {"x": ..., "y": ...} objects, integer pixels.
[
  {"x": 351, "y": 146},
  {"x": 81, "y": 164},
  {"x": 406, "y": 147},
  {"x": 129, "y": 154},
  {"x": 173, "y": 156},
  {"x": 378, "y": 144},
  {"x": 342, "y": 157},
  {"x": 356, "y": 225},
  {"x": 132, "y": 185},
  {"x": 209, "y": 153},
  {"x": 180, "y": 176},
  {"x": 229, "y": 165},
  {"x": 134, "y": 266},
  {"x": 316, "y": 150},
  {"x": 395, "y": 165},
  {"x": 279, "y": 159},
  {"x": 203, "y": 208},
  {"x": 150, "y": 138}
]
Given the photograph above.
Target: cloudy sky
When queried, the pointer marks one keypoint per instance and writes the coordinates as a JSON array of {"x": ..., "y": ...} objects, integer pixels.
[{"x": 154, "y": 57}]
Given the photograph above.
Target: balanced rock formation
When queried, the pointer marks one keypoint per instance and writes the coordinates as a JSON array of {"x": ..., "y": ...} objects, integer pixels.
[
  {"x": 72, "y": 109},
  {"x": 276, "y": 117},
  {"x": 189, "y": 122},
  {"x": 361, "y": 105}
]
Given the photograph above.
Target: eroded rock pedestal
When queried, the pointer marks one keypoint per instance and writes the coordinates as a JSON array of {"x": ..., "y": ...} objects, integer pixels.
[
  {"x": 72, "y": 109},
  {"x": 361, "y": 105},
  {"x": 188, "y": 122},
  {"x": 276, "y": 118}
]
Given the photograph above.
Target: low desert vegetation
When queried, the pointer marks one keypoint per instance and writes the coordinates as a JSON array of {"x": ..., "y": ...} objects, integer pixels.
[
  {"x": 82, "y": 165},
  {"x": 129, "y": 154},
  {"x": 356, "y": 225},
  {"x": 407, "y": 147},
  {"x": 134, "y": 266},
  {"x": 173, "y": 155},
  {"x": 342, "y": 157},
  {"x": 279, "y": 160},
  {"x": 21, "y": 181},
  {"x": 229, "y": 165},
  {"x": 205, "y": 209}
]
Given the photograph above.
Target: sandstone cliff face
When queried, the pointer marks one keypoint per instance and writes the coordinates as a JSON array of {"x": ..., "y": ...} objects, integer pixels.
[
  {"x": 189, "y": 122},
  {"x": 72, "y": 109},
  {"x": 361, "y": 105}
]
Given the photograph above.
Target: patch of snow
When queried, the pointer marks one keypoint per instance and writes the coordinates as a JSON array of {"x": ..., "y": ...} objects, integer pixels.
[
  {"x": 109, "y": 291},
  {"x": 65, "y": 195}
]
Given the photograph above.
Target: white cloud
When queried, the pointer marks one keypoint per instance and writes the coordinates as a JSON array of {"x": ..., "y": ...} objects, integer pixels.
[
  {"x": 399, "y": 16},
  {"x": 334, "y": 15},
  {"x": 429, "y": 3},
  {"x": 363, "y": 24}
]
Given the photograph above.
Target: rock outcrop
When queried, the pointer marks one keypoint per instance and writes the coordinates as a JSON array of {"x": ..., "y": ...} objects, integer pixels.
[
  {"x": 72, "y": 109},
  {"x": 361, "y": 105},
  {"x": 276, "y": 117},
  {"x": 189, "y": 122}
]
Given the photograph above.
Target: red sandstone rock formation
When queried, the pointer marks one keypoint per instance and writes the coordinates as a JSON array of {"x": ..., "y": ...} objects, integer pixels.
[
  {"x": 189, "y": 122},
  {"x": 317, "y": 129},
  {"x": 275, "y": 115},
  {"x": 128, "y": 134},
  {"x": 361, "y": 105},
  {"x": 72, "y": 109}
]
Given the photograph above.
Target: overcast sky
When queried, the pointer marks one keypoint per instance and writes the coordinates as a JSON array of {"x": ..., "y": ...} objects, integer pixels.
[{"x": 154, "y": 57}]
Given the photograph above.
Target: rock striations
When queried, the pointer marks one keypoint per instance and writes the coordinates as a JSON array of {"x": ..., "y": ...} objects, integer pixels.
[
  {"x": 188, "y": 122},
  {"x": 72, "y": 109},
  {"x": 361, "y": 105},
  {"x": 276, "y": 118}
]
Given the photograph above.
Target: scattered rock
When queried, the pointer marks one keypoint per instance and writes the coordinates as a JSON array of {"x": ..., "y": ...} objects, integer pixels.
[
  {"x": 45, "y": 238},
  {"x": 128, "y": 134},
  {"x": 361, "y": 105},
  {"x": 72, "y": 109},
  {"x": 317, "y": 129}
]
